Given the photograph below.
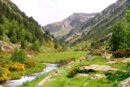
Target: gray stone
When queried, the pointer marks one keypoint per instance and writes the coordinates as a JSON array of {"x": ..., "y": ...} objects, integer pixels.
[
  {"x": 125, "y": 83},
  {"x": 98, "y": 76},
  {"x": 96, "y": 67}
]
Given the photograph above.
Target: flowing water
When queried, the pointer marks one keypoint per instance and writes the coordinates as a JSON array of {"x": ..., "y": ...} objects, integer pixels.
[{"x": 14, "y": 83}]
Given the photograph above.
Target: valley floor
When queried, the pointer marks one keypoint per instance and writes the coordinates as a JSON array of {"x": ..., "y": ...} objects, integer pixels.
[{"x": 101, "y": 72}]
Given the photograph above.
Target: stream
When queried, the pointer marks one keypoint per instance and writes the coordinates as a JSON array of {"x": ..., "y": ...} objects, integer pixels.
[{"x": 14, "y": 83}]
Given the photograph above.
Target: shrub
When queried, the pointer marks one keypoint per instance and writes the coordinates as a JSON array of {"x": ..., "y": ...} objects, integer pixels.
[
  {"x": 35, "y": 46},
  {"x": 73, "y": 72},
  {"x": 17, "y": 67},
  {"x": 96, "y": 52},
  {"x": 128, "y": 66},
  {"x": 117, "y": 76},
  {"x": 18, "y": 56},
  {"x": 13, "y": 39},
  {"x": 3, "y": 74},
  {"x": 120, "y": 36},
  {"x": 30, "y": 63},
  {"x": 122, "y": 53}
]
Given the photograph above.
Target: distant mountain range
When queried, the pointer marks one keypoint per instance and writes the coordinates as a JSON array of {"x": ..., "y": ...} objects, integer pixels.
[
  {"x": 59, "y": 29},
  {"x": 89, "y": 27}
]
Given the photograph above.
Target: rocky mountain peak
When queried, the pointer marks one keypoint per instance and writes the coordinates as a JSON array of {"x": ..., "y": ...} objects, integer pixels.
[{"x": 75, "y": 20}]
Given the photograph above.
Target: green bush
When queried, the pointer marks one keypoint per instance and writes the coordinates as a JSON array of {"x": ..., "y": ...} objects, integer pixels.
[
  {"x": 35, "y": 46},
  {"x": 30, "y": 63},
  {"x": 13, "y": 39},
  {"x": 18, "y": 56},
  {"x": 128, "y": 66},
  {"x": 120, "y": 37},
  {"x": 117, "y": 76},
  {"x": 73, "y": 72},
  {"x": 122, "y": 53}
]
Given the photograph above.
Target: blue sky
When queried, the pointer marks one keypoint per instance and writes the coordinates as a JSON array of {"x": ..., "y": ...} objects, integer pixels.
[{"x": 49, "y": 11}]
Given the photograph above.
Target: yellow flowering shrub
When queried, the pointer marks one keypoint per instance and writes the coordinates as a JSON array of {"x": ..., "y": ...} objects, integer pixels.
[
  {"x": 17, "y": 67},
  {"x": 3, "y": 74},
  {"x": 3, "y": 78}
]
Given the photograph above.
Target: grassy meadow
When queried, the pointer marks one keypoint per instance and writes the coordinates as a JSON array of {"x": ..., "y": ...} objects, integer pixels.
[{"x": 58, "y": 56}]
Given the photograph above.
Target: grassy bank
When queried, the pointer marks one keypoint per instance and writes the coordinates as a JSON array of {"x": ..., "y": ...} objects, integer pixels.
[
  {"x": 17, "y": 74},
  {"x": 5, "y": 62}
]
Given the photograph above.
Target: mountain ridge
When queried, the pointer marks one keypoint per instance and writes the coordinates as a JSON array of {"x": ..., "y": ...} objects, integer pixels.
[
  {"x": 69, "y": 23},
  {"x": 99, "y": 26}
]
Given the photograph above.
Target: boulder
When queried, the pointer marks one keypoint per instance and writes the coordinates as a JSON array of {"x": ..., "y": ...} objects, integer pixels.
[
  {"x": 89, "y": 57},
  {"x": 83, "y": 75},
  {"x": 125, "y": 83},
  {"x": 107, "y": 55},
  {"x": 98, "y": 76},
  {"x": 112, "y": 62},
  {"x": 82, "y": 58}
]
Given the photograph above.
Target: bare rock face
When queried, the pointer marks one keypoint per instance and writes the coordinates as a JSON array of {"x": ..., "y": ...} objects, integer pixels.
[
  {"x": 125, "y": 83},
  {"x": 8, "y": 47},
  {"x": 5, "y": 47},
  {"x": 96, "y": 67}
]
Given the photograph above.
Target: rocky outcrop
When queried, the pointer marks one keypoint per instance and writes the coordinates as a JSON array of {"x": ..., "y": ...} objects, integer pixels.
[
  {"x": 96, "y": 67},
  {"x": 5, "y": 47},
  {"x": 8, "y": 47},
  {"x": 125, "y": 83}
]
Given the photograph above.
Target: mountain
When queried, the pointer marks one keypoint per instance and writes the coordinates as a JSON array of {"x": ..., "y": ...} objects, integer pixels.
[
  {"x": 59, "y": 29},
  {"x": 98, "y": 28},
  {"x": 16, "y": 27}
]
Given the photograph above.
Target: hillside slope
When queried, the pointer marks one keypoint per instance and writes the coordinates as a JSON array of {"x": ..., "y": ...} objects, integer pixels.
[
  {"x": 59, "y": 29},
  {"x": 16, "y": 27},
  {"x": 99, "y": 27}
]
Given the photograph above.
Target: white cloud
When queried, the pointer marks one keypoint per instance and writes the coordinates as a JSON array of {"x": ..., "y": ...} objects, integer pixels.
[{"x": 48, "y": 11}]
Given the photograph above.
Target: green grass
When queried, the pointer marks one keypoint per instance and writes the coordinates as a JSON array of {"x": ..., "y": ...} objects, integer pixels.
[
  {"x": 95, "y": 60},
  {"x": 79, "y": 81},
  {"x": 120, "y": 66},
  {"x": 61, "y": 80},
  {"x": 57, "y": 56},
  {"x": 101, "y": 83},
  {"x": 47, "y": 49}
]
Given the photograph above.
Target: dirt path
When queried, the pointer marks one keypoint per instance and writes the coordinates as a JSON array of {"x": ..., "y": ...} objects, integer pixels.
[{"x": 41, "y": 83}]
